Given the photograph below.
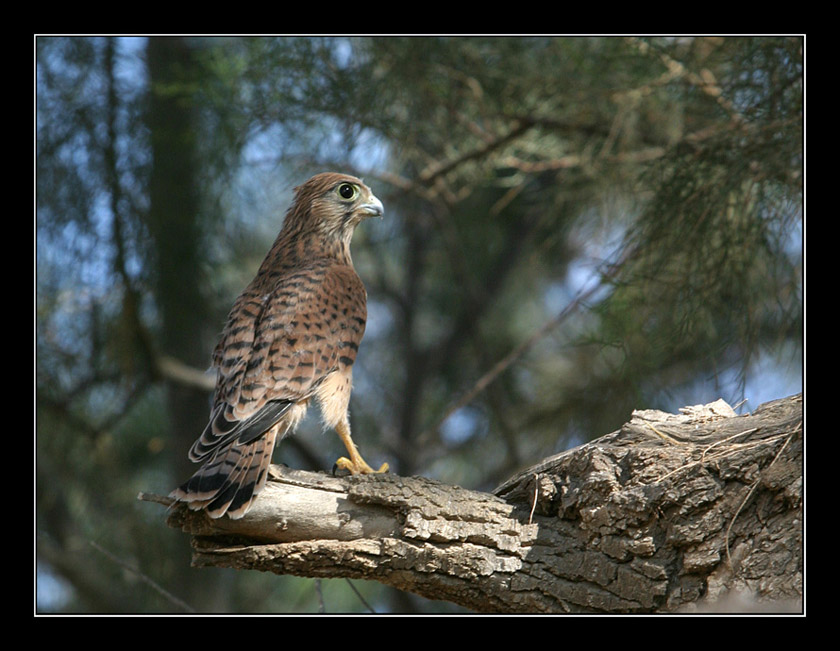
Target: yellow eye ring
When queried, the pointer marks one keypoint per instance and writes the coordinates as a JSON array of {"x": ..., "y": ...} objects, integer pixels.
[{"x": 347, "y": 191}]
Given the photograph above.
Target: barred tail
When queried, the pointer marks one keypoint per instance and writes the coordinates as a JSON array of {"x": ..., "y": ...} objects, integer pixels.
[{"x": 230, "y": 480}]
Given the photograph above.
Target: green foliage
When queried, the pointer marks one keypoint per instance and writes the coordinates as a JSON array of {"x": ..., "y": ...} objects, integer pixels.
[{"x": 575, "y": 228}]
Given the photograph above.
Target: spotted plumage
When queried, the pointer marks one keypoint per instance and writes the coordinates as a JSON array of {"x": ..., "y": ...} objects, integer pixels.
[{"x": 292, "y": 336}]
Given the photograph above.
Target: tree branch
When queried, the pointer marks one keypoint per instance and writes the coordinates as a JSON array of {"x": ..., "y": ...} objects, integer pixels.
[{"x": 669, "y": 511}]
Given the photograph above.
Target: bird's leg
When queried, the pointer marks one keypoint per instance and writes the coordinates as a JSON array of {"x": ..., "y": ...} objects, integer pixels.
[{"x": 355, "y": 464}]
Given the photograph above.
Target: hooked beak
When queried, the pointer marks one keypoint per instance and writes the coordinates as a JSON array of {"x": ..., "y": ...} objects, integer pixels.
[{"x": 372, "y": 208}]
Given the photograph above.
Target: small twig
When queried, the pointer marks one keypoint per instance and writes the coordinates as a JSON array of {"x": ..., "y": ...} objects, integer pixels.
[
  {"x": 145, "y": 579},
  {"x": 704, "y": 80},
  {"x": 723, "y": 453},
  {"x": 165, "y": 500},
  {"x": 175, "y": 370},
  {"x": 749, "y": 494},
  {"x": 536, "y": 496},
  {"x": 439, "y": 169},
  {"x": 728, "y": 438},
  {"x": 522, "y": 348},
  {"x": 359, "y": 595},
  {"x": 665, "y": 437},
  {"x": 675, "y": 470}
]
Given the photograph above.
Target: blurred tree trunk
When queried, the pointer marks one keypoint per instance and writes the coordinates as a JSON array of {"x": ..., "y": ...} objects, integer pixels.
[
  {"x": 173, "y": 222},
  {"x": 700, "y": 509},
  {"x": 174, "y": 225}
]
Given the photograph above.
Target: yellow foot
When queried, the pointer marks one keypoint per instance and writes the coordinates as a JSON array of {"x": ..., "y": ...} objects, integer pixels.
[{"x": 360, "y": 467}]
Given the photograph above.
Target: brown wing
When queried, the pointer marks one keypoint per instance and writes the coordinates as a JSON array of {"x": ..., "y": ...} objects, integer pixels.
[{"x": 278, "y": 346}]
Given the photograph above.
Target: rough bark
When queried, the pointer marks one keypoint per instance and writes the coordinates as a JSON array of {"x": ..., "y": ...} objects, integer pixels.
[{"x": 671, "y": 512}]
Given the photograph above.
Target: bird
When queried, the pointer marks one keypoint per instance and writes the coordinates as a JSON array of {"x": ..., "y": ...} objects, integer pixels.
[{"x": 291, "y": 338}]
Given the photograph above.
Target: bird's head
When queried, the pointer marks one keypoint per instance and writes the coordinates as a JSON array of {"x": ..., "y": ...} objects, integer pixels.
[{"x": 333, "y": 204}]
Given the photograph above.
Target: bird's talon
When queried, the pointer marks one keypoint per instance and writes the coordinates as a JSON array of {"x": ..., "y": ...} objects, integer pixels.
[
  {"x": 359, "y": 468},
  {"x": 338, "y": 470}
]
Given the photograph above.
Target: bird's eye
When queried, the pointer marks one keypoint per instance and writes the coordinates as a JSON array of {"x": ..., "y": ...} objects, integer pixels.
[{"x": 347, "y": 191}]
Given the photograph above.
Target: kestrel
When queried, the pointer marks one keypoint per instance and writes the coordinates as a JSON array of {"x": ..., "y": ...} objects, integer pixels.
[{"x": 291, "y": 336}]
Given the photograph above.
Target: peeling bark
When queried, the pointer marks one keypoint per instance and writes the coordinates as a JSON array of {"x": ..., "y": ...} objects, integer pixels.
[{"x": 671, "y": 512}]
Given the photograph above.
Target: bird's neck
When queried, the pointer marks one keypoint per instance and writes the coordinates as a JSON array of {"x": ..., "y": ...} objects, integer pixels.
[{"x": 295, "y": 248}]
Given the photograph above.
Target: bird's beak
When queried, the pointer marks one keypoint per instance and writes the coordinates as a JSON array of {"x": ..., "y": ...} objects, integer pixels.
[{"x": 373, "y": 208}]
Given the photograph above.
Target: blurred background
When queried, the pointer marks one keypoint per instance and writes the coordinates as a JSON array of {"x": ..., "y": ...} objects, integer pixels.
[{"x": 574, "y": 228}]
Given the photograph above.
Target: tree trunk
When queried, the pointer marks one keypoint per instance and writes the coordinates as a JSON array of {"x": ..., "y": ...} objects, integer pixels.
[
  {"x": 671, "y": 512},
  {"x": 174, "y": 225}
]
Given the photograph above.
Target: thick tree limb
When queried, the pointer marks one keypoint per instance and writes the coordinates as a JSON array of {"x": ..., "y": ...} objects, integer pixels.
[{"x": 669, "y": 511}]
